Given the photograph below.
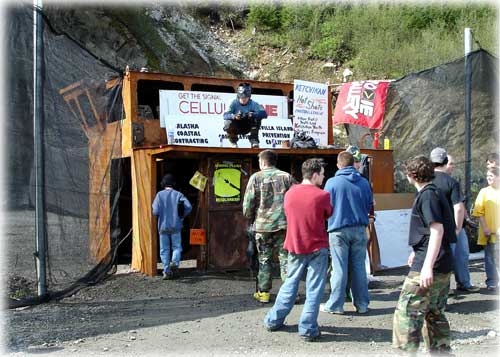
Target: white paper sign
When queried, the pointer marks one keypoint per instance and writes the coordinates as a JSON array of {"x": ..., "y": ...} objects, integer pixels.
[
  {"x": 196, "y": 118},
  {"x": 392, "y": 228},
  {"x": 310, "y": 110}
]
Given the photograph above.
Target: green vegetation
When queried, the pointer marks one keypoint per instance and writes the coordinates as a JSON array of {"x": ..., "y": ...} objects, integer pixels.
[
  {"x": 375, "y": 40},
  {"x": 22, "y": 293}
]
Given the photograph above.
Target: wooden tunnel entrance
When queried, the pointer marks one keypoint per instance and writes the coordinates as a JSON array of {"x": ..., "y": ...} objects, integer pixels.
[{"x": 222, "y": 221}]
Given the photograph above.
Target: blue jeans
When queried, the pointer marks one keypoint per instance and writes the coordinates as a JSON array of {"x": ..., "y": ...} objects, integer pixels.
[
  {"x": 348, "y": 245},
  {"x": 490, "y": 264},
  {"x": 165, "y": 240},
  {"x": 460, "y": 251},
  {"x": 316, "y": 265}
]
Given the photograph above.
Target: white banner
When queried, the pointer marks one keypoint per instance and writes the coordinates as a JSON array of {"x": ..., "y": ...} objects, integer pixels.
[
  {"x": 392, "y": 228},
  {"x": 310, "y": 110},
  {"x": 196, "y": 118}
]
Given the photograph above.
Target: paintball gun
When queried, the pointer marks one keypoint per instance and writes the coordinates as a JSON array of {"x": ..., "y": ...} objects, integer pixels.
[
  {"x": 252, "y": 255},
  {"x": 243, "y": 116}
]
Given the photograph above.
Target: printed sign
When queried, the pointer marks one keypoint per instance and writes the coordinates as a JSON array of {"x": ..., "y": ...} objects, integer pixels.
[
  {"x": 310, "y": 110},
  {"x": 196, "y": 118},
  {"x": 361, "y": 103},
  {"x": 197, "y": 237},
  {"x": 391, "y": 225},
  {"x": 198, "y": 181},
  {"x": 227, "y": 182}
]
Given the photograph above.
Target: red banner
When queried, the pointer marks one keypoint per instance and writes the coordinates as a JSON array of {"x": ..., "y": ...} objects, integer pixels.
[{"x": 361, "y": 103}]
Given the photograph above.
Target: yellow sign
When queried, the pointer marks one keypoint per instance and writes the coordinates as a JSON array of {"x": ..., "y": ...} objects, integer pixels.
[
  {"x": 198, "y": 181},
  {"x": 227, "y": 182}
]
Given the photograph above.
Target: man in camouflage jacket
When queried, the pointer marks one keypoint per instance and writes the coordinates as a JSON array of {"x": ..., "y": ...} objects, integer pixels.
[{"x": 263, "y": 207}]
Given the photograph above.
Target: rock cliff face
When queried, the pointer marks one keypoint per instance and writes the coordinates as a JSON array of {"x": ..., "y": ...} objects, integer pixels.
[{"x": 162, "y": 38}]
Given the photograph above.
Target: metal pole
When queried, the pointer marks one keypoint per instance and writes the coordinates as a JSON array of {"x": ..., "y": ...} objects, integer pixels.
[
  {"x": 468, "y": 82},
  {"x": 40, "y": 254}
]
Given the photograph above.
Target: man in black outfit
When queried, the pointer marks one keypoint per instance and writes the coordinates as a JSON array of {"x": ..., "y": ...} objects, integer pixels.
[
  {"x": 451, "y": 189},
  {"x": 425, "y": 289}
]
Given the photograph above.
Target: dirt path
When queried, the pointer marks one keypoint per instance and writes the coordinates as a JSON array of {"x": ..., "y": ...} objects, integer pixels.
[{"x": 214, "y": 314}]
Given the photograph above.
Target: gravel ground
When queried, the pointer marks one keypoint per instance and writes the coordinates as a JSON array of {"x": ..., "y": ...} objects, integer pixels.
[{"x": 214, "y": 314}]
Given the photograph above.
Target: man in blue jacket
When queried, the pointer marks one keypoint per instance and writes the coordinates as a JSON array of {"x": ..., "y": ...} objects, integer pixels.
[
  {"x": 352, "y": 199},
  {"x": 243, "y": 117},
  {"x": 171, "y": 207}
]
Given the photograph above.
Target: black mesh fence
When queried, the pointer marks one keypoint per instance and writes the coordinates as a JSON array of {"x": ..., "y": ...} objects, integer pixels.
[
  {"x": 427, "y": 109},
  {"x": 81, "y": 95}
]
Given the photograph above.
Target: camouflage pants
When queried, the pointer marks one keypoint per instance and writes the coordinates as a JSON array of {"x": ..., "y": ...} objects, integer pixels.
[
  {"x": 266, "y": 243},
  {"x": 420, "y": 312}
]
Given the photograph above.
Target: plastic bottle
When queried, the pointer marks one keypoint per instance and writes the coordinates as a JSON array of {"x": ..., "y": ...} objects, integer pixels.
[
  {"x": 171, "y": 134},
  {"x": 375, "y": 140},
  {"x": 387, "y": 144}
]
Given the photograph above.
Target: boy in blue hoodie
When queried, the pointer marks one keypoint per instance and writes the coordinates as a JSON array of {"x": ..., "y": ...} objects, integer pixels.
[
  {"x": 170, "y": 216},
  {"x": 352, "y": 199}
]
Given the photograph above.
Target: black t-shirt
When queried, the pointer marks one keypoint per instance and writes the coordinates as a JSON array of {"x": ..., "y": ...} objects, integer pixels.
[
  {"x": 449, "y": 187},
  {"x": 430, "y": 206}
]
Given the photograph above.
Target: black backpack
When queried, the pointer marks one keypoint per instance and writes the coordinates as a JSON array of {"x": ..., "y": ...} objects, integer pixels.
[
  {"x": 301, "y": 140},
  {"x": 364, "y": 168}
]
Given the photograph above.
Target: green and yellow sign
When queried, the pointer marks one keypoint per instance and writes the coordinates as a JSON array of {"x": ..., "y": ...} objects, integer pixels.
[{"x": 227, "y": 182}]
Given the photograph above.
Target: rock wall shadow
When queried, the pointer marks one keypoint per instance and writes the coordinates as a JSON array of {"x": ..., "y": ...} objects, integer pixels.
[{"x": 83, "y": 320}]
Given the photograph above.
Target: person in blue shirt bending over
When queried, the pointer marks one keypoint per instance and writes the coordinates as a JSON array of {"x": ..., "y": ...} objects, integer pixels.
[
  {"x": 171, "y": 207},
  {"x": 243, "y": 117}
]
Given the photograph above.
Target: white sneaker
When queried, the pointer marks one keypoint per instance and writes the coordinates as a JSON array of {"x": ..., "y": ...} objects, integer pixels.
[{"x": 234, "y": 145}]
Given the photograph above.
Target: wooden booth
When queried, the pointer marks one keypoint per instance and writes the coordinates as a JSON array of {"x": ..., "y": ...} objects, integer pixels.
[{"x": 215, "y": 232}]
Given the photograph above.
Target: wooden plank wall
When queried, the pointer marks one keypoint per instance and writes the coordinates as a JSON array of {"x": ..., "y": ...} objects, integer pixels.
[
  {"x": 103, "y": 146},
  {"x": 382, "y": 170},
  {"x": 202, "y": 261},
  {"x": 127, "y": 122},
  {"x": 144, "y": 238}
]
